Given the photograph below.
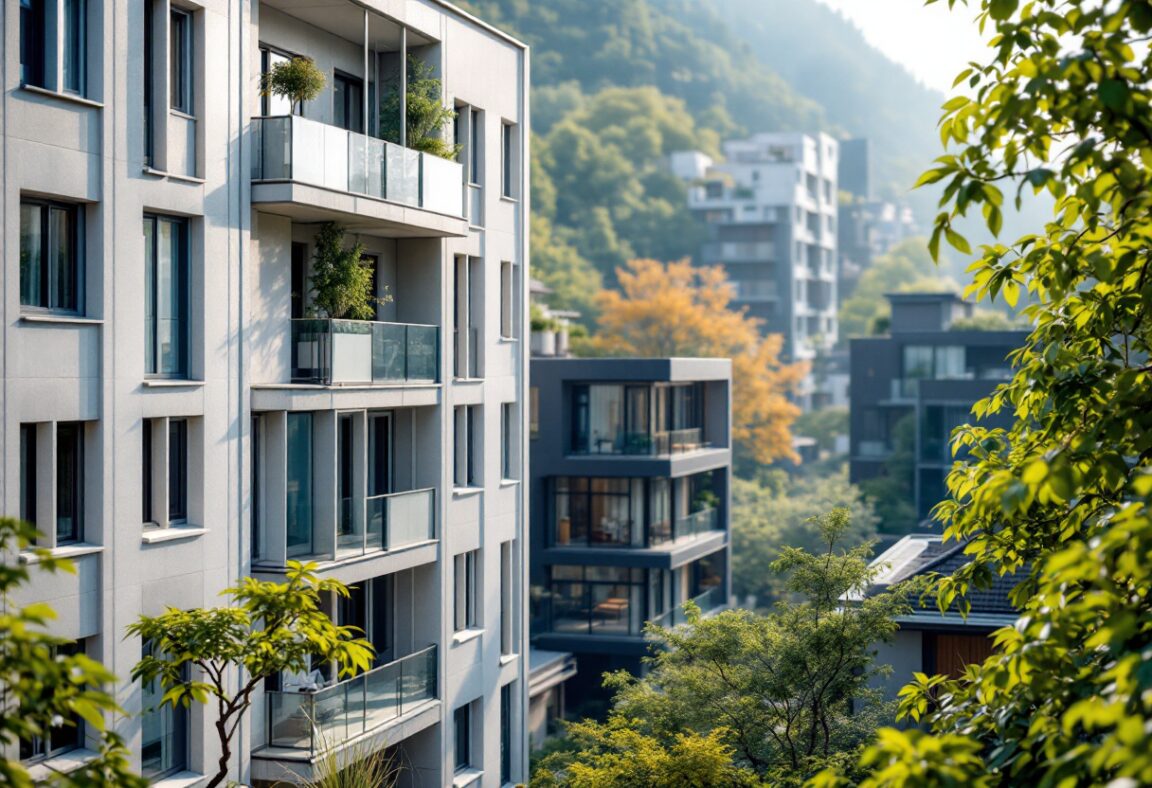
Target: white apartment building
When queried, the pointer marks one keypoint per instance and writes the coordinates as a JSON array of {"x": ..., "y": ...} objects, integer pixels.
[
  {"x": 175, "y": 416},
  {"x": 771, "y": 212}
]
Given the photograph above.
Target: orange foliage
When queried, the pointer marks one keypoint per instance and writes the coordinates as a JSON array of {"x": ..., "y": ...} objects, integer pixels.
[{"x": 681, "y": 310}]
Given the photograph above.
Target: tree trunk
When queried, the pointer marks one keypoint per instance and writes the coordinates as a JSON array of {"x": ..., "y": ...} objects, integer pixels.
[{"x": 225, "y": 754}]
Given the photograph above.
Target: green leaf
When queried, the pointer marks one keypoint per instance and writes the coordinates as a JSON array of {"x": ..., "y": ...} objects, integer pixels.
[
  {"x": 1002, "y": 9},
  {"x": 1114, "y": 94},
  {"x": 957, "y": 241}
]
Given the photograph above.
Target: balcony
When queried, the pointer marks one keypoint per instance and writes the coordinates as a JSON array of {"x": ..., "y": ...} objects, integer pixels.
[
  {"x": 696, "y": 524},
  {"x": 648, "y": 443},
  {"x": 317, "y": 721},
  {"x": 739, "y": 251},
  {"x": 385, "y": 522},
  {"x": 361, "y": 352},
  {"x": 710, "y": 600},
  {"x": 314, "y": 171}
]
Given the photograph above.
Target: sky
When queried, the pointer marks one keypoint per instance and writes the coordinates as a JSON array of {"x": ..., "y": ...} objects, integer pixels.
[{"x": 935, "y": 44}]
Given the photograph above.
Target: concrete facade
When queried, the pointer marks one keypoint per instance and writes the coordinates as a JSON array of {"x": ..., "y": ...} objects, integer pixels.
[
  {"x": 289, "y": 436},
  {"x": 630, "y": 464}
]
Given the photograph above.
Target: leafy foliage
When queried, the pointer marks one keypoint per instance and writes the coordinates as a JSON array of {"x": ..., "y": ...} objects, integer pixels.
[
  {"x": 892, "y": 492},
  {"x": 342, "y": 282},
  {"x": 788, "y": 691},
  {"x": 1063, "y": 495},
  {"x": 426, "y": 114},
  {"x": 298, "y": 79},
  {"x": 774, "y": 511},
  {"x": 681, "y": 310},
  {"x": 44, "y": 689},
  {"x": 824, "y": 425},
  {"x": 269, "y": 628}
]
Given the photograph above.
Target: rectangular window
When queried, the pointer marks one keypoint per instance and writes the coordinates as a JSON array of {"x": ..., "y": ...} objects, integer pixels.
[
  {"x": 506, "y": 734},
  {"x": 508, "y": 440},
  {"x": 270, "y": 104},
  {"x": 506, "y": 583},
  {"x": 164, "y": 731},
  {"x": 68, "y": 735},
  {"x": 166, "y": 296},
  {"x": 474, "y": 150},
  {"x": 257, "y": 488},
  {"x": 50, "y": 255},
  {"x": 28, "y": 473},
  {"x": 507, "y": 300},
  {"x": 508, "y": 149},
  {"x": 147, "y": 464},
  {"x": 177, "y": 470},
  {"x": 464, "y": 578},
  {"x": 533, "y": 412},
  {"x": 466, "y": 448},
  {"x": 180, "y": 61},
  {"x": 299, "y": 488},
  {"x": 69, "y": 483},
  {"x": 299, "y": 279},
  {"x": 32, "y": 42},
  {"x": 348, "y": 102},
  {"x": 462, "y": 732},
  {"x": 75, "y": 45}
]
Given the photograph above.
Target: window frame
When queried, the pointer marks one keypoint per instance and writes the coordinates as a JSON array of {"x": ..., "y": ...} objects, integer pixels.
[
  {"x": 177, "y": 716},
  {"x": 181, "y": 61},
  {"x": 75, "y": 741},
  {"x": 177, "y": 471},
  {"x": 508, "y": 160},
  {"x": 508, "y": 292},
  {"x": 75, "y": 535},
  {"x": 75, "y": 45},
  {"x": 508, "y": 452},
  {"x": 462, "y": 735},
  {"x": 48, "y": 287},
  {"x": 33, "y": 30},
  {"x": 464, "y": 579},
  {"x": 181, "y": 278}
]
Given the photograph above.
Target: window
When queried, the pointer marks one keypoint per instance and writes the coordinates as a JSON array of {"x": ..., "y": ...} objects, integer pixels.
[
  {"x": 299, "y": 279},
  {"x": 165, "y": 462},
  {"x": 299, "y": 484},
  {"x": 506, "y": 734},
  {"x": 462, "y": 732},
  {"x": 180, "y": 61},
  {"x": 506, "y": 583},
  {"x": 75, "y": 45},
  {"x": 508, "y": 440},
  {"x": 257, "y": 488},
  {"x": 468, "y": 299},
  {"x": 466, "y": 449},
  {"x": 464, "y": 577},
  {"x": 177, "y": 470},
  {"x": 68, "y": 735},
  {"x": 32, "y": 42},
  {"x": 271, "y": 104},
  {"x": 28, "y": 473},
  {"x": 600, "y": 512},
  {"x": 598, "y": 600},
  {"x": 507, "y": 300},
  {"x": 368, "y": 607},
  {"x": 164, "y": 739},
  {"x": 508, "y": 159},
  {"x": 475, "y": 125},
  {"x": 534, "y": 412},
  {"x": 166, "y": 296},
  {"x": 50, "y": 255},
  {"x": 69, "y": 483},
  {"x": 348, "y": 102}
]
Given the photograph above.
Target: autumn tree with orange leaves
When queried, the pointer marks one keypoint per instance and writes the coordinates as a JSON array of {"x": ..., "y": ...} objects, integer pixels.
[{"x": 681, "y": 310}]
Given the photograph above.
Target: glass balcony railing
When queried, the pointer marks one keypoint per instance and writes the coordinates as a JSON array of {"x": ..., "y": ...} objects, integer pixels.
[
  {"x": 904, "y": 389},
  {"x": 697, "y": 523},
  {"x": 291, "y": 148},
  {"x": 678, "y": 441},
  {"x": 315, "y": 721},
  {"x": 342, "y": 352},
  {"x": 641, "y": 443},
  {"x": 707, "y": 601},
  {"x": 386, "y": 522}
]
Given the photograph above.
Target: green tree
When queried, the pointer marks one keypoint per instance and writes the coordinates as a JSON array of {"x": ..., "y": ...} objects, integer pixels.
[
  {"x": 342, "y": 280},
  {"x": 824, "y": 425},
  {"x": 269, "y": 628},
  {"x": 772, "y": 512},
  {"x": 424, "y": 112},
  {"x": 298, "y": 79},
  {"x": 617, "y": 753},
  {"x": 1062, "y": 496},
  {"x": 43, "y": 689},
  {"x": 906, "y": 268},
  {"x": 788, "y": 691}
]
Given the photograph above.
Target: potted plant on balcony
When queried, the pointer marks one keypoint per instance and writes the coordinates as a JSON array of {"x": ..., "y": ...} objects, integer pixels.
[
  {"x": 298, "y": 80},
  {"x": 544, "y": 328},
  {"x": 342, "y": 284},
  {"x": 426, "y": 114}
]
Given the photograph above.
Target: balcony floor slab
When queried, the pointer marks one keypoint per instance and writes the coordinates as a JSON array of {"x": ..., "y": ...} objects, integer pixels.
[{"x": 357, "y": 213}]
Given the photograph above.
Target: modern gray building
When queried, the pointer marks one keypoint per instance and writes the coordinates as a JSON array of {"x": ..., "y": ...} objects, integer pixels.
[
  {"x": 630, "y": 462},
  {"x": 176, "y": 414},
  {"x": 931, "y": 371},
  {"x": 771, "y": 213}
]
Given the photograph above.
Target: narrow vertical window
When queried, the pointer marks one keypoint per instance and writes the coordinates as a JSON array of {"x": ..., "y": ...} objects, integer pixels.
[
  {"x": 506, "y": 584},
  {"x": 69, "y": 483},
  {"x": 299, "y": 282},
  {"x": 50, "y": 265},
  {"x": 507, "y": 441},
  {"x": 348, "y": 102},
  {"x": 507, "y": 300},
  {"x": 59, "y": 739},
  {"x": 166, "y": 296},
  {"x": 177, "y": 470},
  {"x": 164, "y": 731},
  {"x": 75, "y": 45},
  {"x": 28, "y": 473},
  {"x": 464, "y": 585},
  {"x": 462, "y": 733},
  {"x": 474, "y": 151},
  {"x": 32, "y": 42},
  {"x": 180, "y": 61},
  {"x": 534, "y": 412},
  {"x": 472, "y": 414},
  {"x": 506, "y": 734},
  {"x": 149, "y": 82},
  {"x": 508, "y": 149},
  {"x": 146, "y": 464},
  {"x": 299, "y": 502},
  {"x": 257, "y": 489}
]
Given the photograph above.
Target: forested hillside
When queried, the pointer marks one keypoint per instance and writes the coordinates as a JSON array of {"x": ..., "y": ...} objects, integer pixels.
[{"x": 619, "y": 85}]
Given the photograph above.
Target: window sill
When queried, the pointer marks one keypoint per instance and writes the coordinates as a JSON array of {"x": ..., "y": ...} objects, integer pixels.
[
  {"x": 468, "y": 381},
  {"x": 60, "y": 319},
  {"x": 465, "y": 635},
  {"x": 508, "y": 340},
  {"x": 509, "y": 482},
  {"x": 466, "y": 777},
  {"x": 171, "y": 175},
  {"x": 172, "y": 534},
  {"x": 509, "y": 198},
  {"x": 72, "y": 98},
  {"x": 60, "y": 764},
  {"x": 183, "y": 779},
  {"x": 464, "y": 492},
  {"x": 67, "y": 551},
  {"x": 164, "y": 383},
  {"x": 507, "y": 659},
  {"x": 179, "y": 113}
]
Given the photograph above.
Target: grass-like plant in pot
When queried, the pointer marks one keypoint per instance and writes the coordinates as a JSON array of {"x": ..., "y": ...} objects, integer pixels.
[
  {"x": 342, "y": 280},
  {"x": 426, "y": 114}
]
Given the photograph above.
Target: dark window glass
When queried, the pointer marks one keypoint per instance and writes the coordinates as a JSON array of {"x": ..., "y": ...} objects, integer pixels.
[
  {"x": 507, "y": 470},
  {"x": 471, "y": 415},
  {"x": 462, "y": 722},
  {"x": 474, "y": 152},
  {"x": 164, "y": 732},
  {"x": 508, "y": 152},
  {"x": 28, "y": 473},
  {"x": 380, "y": 619},
  {"x": 68, "y": 735},
  {"x": 180, "y": 61},
  {"x": 299, "y": 503},
  {"x": 149, "y": 83},
  {"x": 177, "y": 469},
  {"x": 379, "y": 454},
  {"x": 32, "y": 42},
  {"x": 348, "y": 98},
  {"x": 299, "y": 279},
  {"x": 75, "y": 44},
  {"x": 146, "y": 474},
  {"x": 50, "y": 255},
  {"x": 69, "y": 483},
  {"x": 166, "y": 296},
  {"x": 506, "y": 733},
  {"x": 255, "y": 524},
  {"x": 344, "y": 476}
]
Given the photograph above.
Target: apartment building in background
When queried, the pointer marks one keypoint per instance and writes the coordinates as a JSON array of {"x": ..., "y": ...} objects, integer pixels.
[
  {"x": 771, "y": 214},
  {"x": 930, "y": 369},
  {"x": 178, "y": 414},
  {"x": 630, "y": 472}
]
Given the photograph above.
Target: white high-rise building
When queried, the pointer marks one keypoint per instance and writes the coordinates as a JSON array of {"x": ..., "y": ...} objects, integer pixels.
[
  {"x": 771, "y": 212},
  {"x": 176, "y": 413}
]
